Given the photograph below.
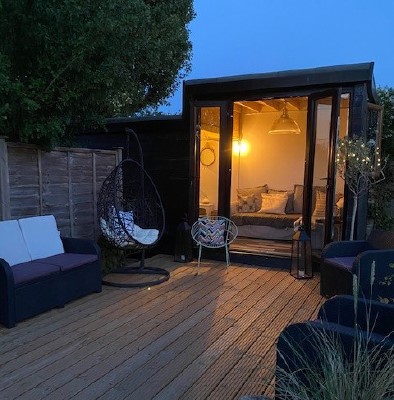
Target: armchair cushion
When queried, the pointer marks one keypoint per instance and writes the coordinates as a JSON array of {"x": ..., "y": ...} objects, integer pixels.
[{"x": 345, "y": 263}]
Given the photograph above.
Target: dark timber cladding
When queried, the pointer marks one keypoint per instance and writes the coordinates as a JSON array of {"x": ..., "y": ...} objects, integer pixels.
[
  {"x": 165, "y": 145},
  {"x": 340, "y": 75}
]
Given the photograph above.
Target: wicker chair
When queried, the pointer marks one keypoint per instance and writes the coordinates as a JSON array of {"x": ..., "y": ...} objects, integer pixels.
[
  {"x": 343, "y": 259},
  {"x": 131, "y": 215},
  {"x": 214, "y": 232}
]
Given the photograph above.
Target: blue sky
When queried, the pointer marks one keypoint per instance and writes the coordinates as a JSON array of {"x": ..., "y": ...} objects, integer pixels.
[{"x": 232, "y": 37}]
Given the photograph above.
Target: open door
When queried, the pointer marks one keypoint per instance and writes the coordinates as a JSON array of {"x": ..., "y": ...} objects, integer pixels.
[
  {"x": 320, "y": 215},
  {"x": 211, "y": 162}
]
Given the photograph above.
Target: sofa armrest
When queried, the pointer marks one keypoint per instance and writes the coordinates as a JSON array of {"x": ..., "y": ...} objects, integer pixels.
[
  {"x": 362, "y": 267},
  {"x": 344, "y": 248},
  {"x": 303, "y": 347},
  {"x": 7, "y": 298},
  {"x": 80, "y": 246},
  {"x": 372, "y": 316}
]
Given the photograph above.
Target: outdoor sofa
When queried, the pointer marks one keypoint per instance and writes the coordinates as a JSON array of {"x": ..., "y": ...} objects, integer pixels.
[
  {"x": 39, "y": 270},
  {"x": 301, "y": 346},
  {"x": 343, "y": 259}
]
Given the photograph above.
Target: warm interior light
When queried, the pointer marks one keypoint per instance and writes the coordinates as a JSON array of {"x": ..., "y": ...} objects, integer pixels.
[
  {"x": 240, "y": 147},
  {"x": 284, "y": 125}
]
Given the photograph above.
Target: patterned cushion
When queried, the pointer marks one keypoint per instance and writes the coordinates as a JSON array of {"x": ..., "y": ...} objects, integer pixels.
[
  {"x": 320, "y": 205},
  {"x": 298, "y": 198},
  {"x": 246, "y": 204},
  {"x": 249, "y": 199},
  {"x": 211, "y": 232}
]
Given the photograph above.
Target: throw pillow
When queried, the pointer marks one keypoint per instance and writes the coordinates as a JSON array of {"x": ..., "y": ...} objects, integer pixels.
[
  {"x": 320, "y": 205},
  {"x": 298, "y": 198},
  {"x": 254, "y": 193},
  {"x": 273, "y": 203},
  {"x": 246, "y": 204},
  {"x": 289, "y": 205},
  {"x": 211, "y": 232}
]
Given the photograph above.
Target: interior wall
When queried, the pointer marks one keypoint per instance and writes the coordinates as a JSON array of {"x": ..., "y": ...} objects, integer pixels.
[
  {"x": 209, "y": 175},
  {"x": 276, "y": 160}
]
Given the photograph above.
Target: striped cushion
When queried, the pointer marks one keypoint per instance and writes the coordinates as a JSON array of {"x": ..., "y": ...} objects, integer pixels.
[
  {"x": 320, "y": 206},
  {"x": 211, "y": 232}
]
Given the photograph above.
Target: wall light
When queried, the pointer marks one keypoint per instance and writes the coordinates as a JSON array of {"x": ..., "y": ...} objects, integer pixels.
[{"x": 240, "y": 147}]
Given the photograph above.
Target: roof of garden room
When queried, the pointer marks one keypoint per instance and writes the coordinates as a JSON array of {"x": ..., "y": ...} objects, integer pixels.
[{"x": 339, "y": 75}]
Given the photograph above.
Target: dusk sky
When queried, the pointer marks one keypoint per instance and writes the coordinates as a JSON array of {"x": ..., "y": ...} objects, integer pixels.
[{"x": 232, "y": 37}]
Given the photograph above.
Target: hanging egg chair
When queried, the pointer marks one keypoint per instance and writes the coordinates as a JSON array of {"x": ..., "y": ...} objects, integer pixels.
[{"x": 131, "y": 216}]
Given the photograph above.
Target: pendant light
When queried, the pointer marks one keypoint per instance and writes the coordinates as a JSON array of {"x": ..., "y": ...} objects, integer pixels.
[{"x": 284, "y": 125}]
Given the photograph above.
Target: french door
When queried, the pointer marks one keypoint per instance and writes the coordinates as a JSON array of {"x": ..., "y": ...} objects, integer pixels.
[
  {"x": 211, "y": 158},
  {"x": 319, "y": 212}
]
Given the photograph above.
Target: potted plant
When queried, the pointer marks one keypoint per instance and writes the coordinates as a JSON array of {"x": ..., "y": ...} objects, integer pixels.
[{"x": 360, "y": 166}]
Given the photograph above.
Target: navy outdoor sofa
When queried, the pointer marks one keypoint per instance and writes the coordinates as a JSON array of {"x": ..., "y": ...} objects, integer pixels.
[
  {"x": 340, "y": 260},
  {"x": 39, "y": 270},
  {"x": 297, "y": 351}
]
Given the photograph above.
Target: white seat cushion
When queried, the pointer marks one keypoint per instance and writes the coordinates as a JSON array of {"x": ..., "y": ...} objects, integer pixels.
[
  {"x": 41, "y": 236},
  {"x": 12, "y": 245}
]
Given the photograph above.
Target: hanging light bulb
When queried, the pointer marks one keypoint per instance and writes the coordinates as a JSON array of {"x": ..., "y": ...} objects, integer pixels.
[{"x": 284, "y": 125}]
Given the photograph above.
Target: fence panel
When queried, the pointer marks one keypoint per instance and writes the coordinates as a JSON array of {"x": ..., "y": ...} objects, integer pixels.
[{"x": 64, "y": 182}]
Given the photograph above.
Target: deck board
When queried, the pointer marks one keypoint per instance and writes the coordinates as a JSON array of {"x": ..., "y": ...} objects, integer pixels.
[{"x": 211, "y": 336}]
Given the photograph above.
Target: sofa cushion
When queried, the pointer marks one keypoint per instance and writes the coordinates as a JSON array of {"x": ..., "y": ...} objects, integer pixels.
[
  {"x": 32, "y": 270},
  {"x": 250, "y": 198},
  {"x": 298, "y": 198},
  {"x": 290, "y": 201},
  {"x": 13, "y": 248},
  {"x": 273, "y": 203},
  {"x": 340, "y": 262},
  {"x": 41, "y": 236},
  {"x": 67, "y": 261}
]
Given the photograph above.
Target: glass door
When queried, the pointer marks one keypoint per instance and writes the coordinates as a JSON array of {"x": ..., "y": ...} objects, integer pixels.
[
  {"x": 211, "y": 164},
  {"x": 319, "y": 212}
]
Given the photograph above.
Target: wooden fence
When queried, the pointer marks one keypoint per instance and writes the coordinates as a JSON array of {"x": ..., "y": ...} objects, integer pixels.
[{"x": 64, "y": 182}]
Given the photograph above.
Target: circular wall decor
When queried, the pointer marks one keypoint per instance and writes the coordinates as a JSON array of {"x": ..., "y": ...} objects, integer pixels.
[{"x": 207, "y": 156}]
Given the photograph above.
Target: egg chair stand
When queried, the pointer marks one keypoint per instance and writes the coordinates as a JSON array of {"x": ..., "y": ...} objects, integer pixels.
[{"x": 131, "y": 217}]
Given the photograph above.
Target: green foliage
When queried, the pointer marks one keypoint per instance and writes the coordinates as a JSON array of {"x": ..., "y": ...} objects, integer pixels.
[
  {"x": 381, "y": 195},
  {"x": 366, "y": 373},
  {"x": 71, "y": 63},
  {"x": 360, "y": 166},
  {"x": 386, "y": 99},
  {"x": 111, "y": 257},
  {"x": 368, "y": 376}
]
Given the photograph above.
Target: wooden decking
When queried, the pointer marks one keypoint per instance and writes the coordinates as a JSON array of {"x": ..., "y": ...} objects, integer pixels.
[{"x": 210, "y": 336}]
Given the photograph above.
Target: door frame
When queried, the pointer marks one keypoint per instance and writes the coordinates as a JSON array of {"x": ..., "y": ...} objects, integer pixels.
[
  {"x": 335, "y": 95},
  {"x": 224, "y": 155}
]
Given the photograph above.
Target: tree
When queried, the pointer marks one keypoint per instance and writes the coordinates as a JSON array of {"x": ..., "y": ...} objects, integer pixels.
[
  {"x": 360, "y": 166},
  {"x": 381, "y": 195},
  {"x": 71, "y": 63}
]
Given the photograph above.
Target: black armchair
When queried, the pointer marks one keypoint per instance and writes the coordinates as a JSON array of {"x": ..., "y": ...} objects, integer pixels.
[
  {"x": 301, "y": 347},
  {"x": 341, "y": 260}
]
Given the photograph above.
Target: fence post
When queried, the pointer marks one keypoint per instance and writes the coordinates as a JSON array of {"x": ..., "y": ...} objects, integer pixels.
[{"x": 5, "y": 212}]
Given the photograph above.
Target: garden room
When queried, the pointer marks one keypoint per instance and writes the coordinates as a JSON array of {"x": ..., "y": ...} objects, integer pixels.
[{"x": 268, "y": 157}]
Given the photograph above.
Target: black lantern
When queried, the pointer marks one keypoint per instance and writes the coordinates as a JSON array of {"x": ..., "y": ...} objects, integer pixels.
[
  {"x": 301, "y": 255},
  {"x": 183, "y": 242}
]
